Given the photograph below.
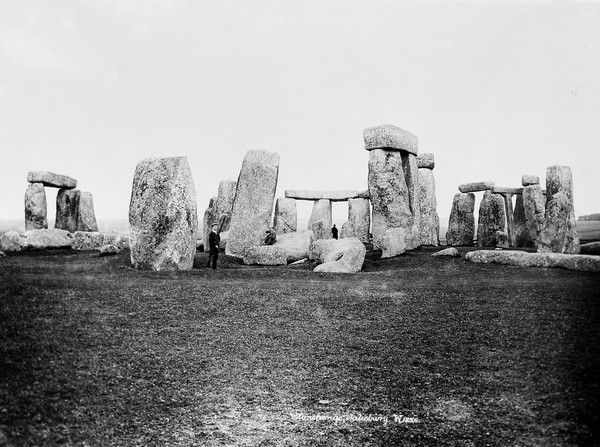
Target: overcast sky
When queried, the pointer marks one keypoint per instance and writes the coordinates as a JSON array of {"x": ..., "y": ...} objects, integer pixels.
[{"x": 494, "y": 89}]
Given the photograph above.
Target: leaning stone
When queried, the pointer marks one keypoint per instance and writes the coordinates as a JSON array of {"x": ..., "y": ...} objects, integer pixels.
[
  {"x": 528, "y": 180},
  {"x": 253, "y": 203},
  {"x": 447, "y": 252},
  {"x": 476, "y": 186},
  {"x": 286, "y": 216},
  {"x": 67, "y": 208},
  {"x": 35, "y": 207},
  {"x": 265, "y": 255},
  {"x": 492, "y": 218},
  {"x": 11, "y": 241},
  {"x": 321, "y": 211},
  {"x": 396, "y": 241},
  {"x": 45, "y": 238},
  {"x": 109, "y": 249},
  {"x": 163, "y": 221},
  {"x": 426, "y": 161},
  {"x": 86, "y": 217},
  {"x": 321, "y": 231},
  {"x": 586, "y": 263},
  {"x": 429, "y": 223},
  {"x": 359, "y": 220},
  {"x": 338, "y": 255},
  {"x": 592, "y": 248},
  {"x": 461, "y": 225},
  {"x": 303, "y": 194},
  {"x": 340, "y": 196},
  {"x": 296, "y": 245},
  {"x": 390, "y": 137},
  {"x": 51, "y": 179}
]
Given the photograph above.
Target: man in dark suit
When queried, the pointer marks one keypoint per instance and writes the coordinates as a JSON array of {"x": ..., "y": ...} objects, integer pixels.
[
  {"x": 334, "y": 232},
  {"x": 213, "y": 244}
]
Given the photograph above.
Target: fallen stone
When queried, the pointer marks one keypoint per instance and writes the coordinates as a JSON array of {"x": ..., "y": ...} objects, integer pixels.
[
  {"x": 163, "y": 221},
  {"x": 286, "y": 216},
  {"x": 67, "y": 209},
  {"x": 321, "y": 211},
  {"x": 592, "y": 248},
  {"x": 506, "y": 190},
  {"x": 390, "y": 137},
  {"x": 296, "y": 245},
  {"x": 45, "y": 238},
  {"x": 303, "y": 194},
  {"x": 429, "y": 222},
  {"x": 426, "y": 161},
  {"x": 265, "y": 255},
  {"x": 359, "y": 220},
  {"x": 254, "y": 201},
  {"x": 447, "y": 252},
  {"x": 528, "y": 180},
  {"x": 109, "y": 249},
  {"x": 476, "y": 186},
  {"x": 86, "y": 217},
  {"x": 35, "y": 207},
  {"x": 93, "y": 240},
  {"x": 338, "y": 255},
  {"x": 586, "y": 263},
  {"x": 340, "y": 196},
  {"x": 11, "y": 241},
  {"x": 396, "y": 241},
  {"x": 51, "y": 179},
  {"x": 321, "y": 231},
  {"x": 492, "y": 218},
  {"x": 461, "y": 225}
]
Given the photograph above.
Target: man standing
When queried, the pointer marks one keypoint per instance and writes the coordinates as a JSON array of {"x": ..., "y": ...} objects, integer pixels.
[
  {"x": 213, "y": 244},
  {"x": 334, "y": 232}
]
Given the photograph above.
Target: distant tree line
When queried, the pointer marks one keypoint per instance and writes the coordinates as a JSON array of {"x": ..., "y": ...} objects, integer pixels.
[{"x": 595, "y": 216}]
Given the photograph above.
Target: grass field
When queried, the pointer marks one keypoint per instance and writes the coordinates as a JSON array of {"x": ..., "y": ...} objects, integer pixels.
[{"x": 433, "y": 351}]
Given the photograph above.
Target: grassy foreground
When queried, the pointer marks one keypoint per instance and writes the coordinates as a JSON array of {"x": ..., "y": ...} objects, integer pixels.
[{"x": 413, "y": 350}]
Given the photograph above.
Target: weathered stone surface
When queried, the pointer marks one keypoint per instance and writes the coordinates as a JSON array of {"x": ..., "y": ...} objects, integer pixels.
[
  {"x": 389, "y": 193},
  {"x": 390, "y": 137},
  {"x": 586, "y": 263},
  {"x": 396, "y": 241},
  {"x": 522, "y": 236},
  {"x": 35, "y": 207},
  {"x": 346, "y": 231},
  {"x": 265, "y": 255},
  {"x": 321, "y": 211},
  {"x": 321, "y": 231},
  {"x": 338, "y": 255},
  {"x": 301, "y": 194},
  {"x": 492, "y": 218},
  {"x": 11, "y": 241},
  {"x": 359, "y": 220},
  {"x": 591, "y": 248},
  {"x": 510, "y": 219},
  {"x": 296, "y": 245},
  {"x": 476, "y": 186},
  {"x": 254, "y": 201},
  {"x": 429, "y": 223},
  {"x": 108, "y": 250},
  {"x": 411, "y": 176},
  {"x": 286, "y": 216},
  {"x": 224, "y": 205},
  {"x": 461, "y": 225},
  {"x": 528, "y": 180},
  {"x": 506, "y": 190},
  {"x": 163, "y": 220},
  {"x": 86, "y": 217},
  {"x": 67, "y": 209},
  {"x": 559, "y": 234},
  {"x": 534, "y": 206},
  {"x": 447, "y": 252},
  {"x": 340, "y": 196},
  {"x": 45, "y": 238},
  {"x": 51, "y": 179},
  {"x": 426, "y": 161},
  {"x": 210, "y": 218},
  {"x": 364, "y": 194},
  {"x": 93, "y": 240},
  {"x": 502, "y": 239}
]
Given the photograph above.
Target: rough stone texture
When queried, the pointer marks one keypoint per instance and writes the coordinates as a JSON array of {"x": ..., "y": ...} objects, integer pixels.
[
  {"x": 426, "y": 161},
  {"x": 502, "y": 239},
  {"x": 506, "y": 190},
  {"x": 338, "y": 255},
  {"x": 296, "y": 245},
  {"x": 340, "y": 196},
  {"x": 109, "y": 249},
  {"x": 224, "y": 205},
  {"x": 429, "y": 223},
  {"x": 303, "y": 194},
  {"x": 346, "y": 230},
  {"x": 51, "y": 179},
  {"x": 528, "y": 180},
  {"x": 93, "y": 240},
  {"x": 447, "y": 252},
  {"x": 461, "y": 225},
  {"x": 389, "y": 193},
  {"x": 396, "y": 241},
  {"x": 35, "y": 207},
  {"x": 411, "y": 175},
  {"x": 321, "y": 211},
  {"x": 45, "y": 238},
  {"x": 534, "y": 207},
  {"x": 559, "y": 234},
  {"x": 523, "y": 237},
  {"x": 67, "y": 209},
  {"x": 510, "y": 219},
  {"x": 586, "y": 263},
  {"x": 364, "y": 195},
  {"x": 476, "y": 186},
  {"x": 359, "y": 220},
  {"x": 390, "y": 137},
  {"x": 86, "y": 217},
  {"x": 11, "y": 241},
  {"x": 286, "y": 216},
  {"x": 591, "y": 248},
  {"x": 265, "y": 255},
  {"x": 254, "y": 201},
  {"x": 321, "y": 231},
  {"x": 210, "y": 217},
  {"x": 492, "y": 218},
  {"x": 163, "y": 220}
]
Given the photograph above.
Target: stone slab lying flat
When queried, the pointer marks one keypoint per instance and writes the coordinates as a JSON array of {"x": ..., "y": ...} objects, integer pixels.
[
  {"x": 476, "y": 186},
  {"x": 506, "y": 190},
  {"x": 340, "y": 196},
  {"x": 591, "y": 248},
  {"x": 302, "y": 194},
  {"x": 585, "y": 263},
  {"x": 335, "y": 196},
  {"x": 390, "y": 137},
  {"x": 51, "y": 179}
]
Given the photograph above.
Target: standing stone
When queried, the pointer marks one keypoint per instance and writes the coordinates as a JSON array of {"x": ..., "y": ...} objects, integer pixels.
[
  {"x": 163, "y": 220},
  {"x": 461, "y": 225},
  {"x": 429, "y": 224},
  {"x": 492, "y": 218},
  {"x": 286, "y": 216},
  {"x": 346, "y": 231},
  {"x": 389, "y": 193},
  {"x": 253, "y": 203},
  {"x": 210, "y": 217},
  {"x": 35, "y": 207},
  {"x": 534, "y": 207},
  {"x": 321, "y": 230},
  {"x": 396, "y": 241},
  {"x": 560, "y": 232},
  {"x": 411, "y": 176},
  {"x": 224, "y": 205},
  {"x": 359, "y": 220},
  {"x": 86, "y": 218},
  {"x": 321, "y": 211},
  {"x": 523, "y": 238},
  {"x": 67, "y": 206}
]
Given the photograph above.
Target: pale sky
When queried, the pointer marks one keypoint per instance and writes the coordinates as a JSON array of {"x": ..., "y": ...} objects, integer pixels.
[{"x": 494, "y": 89}]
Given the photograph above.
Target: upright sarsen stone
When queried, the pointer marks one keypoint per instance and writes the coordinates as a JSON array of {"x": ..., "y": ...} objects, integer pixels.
[
  {"x": 163, "y": 220},
  {"x": 321, "y": 211},
  {"x": 359, "y": 220},
  {"x": 67, "y": 206},
  {"x": 86, "y": 217},
  {"x": 36, "y": 216},
  {"x": 461, "y": 225},
  {"x": 411, "y": 176},
  {"x": 210, "y": 218},
  {"x": 224, "y": 204},
  {"x": 429, "y": 223},
  {"x": 492, "y": 219},
  {"x": 253, "y": 203},
  {"x": 523, "y": 238},
  {"x": 286, "y": 216},
  {"x": 534, "y": 207}
]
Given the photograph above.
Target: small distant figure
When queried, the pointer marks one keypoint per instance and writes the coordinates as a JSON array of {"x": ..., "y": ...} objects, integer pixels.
[
  {"x": 334, "y": 232},
  {"x": 271, "y": 236},
  {"x": 213, "y": 244}
]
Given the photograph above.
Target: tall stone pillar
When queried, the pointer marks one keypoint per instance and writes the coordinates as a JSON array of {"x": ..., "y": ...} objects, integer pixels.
[
  {"x": 461, "y": 225},
  {"x": 286, "y": 216},
  {"x": 429, "y": 223},
  {"x": 36, "y": 211},
  {"x": 492, "y": 219}
]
